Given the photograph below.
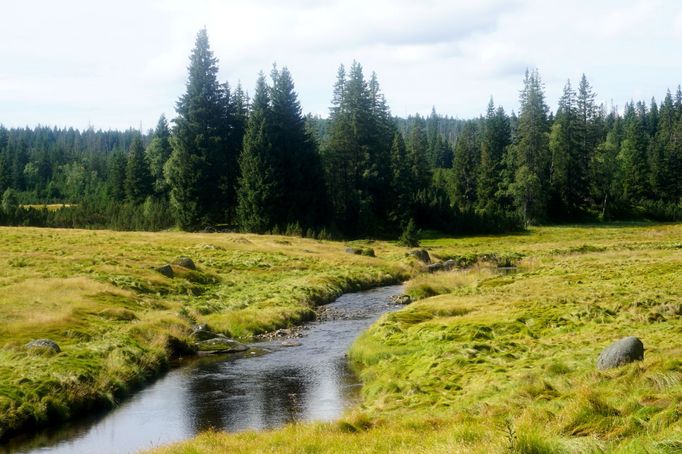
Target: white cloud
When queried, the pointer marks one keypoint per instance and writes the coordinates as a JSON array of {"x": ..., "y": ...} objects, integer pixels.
[{"x": 77, "y": 62}]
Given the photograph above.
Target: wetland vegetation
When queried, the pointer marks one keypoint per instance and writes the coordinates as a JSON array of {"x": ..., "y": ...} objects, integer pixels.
[
  {"x": 119, "y": 321},
  {"x": 496, "y": 362}
]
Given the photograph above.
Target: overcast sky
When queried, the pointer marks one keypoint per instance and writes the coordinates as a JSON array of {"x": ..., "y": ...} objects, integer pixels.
[{"x": 121, "y": 64}]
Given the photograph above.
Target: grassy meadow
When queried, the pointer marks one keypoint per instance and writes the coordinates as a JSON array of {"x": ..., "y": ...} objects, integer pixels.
[
  {"x": 496, "y": 361},
  {"x": 118, "y": 321}
]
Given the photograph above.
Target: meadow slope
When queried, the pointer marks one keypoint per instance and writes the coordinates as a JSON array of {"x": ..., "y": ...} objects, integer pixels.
[
  {"x": 492, "y": 361},
  {"x": 119, "y": 321}
]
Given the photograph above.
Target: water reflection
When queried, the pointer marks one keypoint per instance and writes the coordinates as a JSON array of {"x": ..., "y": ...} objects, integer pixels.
[{"x": 302, "y": 383}]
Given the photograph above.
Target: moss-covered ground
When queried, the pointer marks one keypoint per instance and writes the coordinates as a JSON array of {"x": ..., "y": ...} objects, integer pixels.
[
  {"x": 497, "y": 360},
  {"x": 118, "y": 321}
]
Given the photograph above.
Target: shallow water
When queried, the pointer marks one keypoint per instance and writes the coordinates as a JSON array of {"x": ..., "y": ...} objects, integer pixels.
[{"x": 306, "y": 382}]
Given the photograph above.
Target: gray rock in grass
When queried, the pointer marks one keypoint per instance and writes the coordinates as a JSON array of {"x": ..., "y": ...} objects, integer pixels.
[
  {"x": 435, "y": 267},
  {"x": 47, "y": 345},
  {"x": 422, "y": 255},
  {"x": 449, "y": 264},
  {"x": 166, "y": 270},
  {"x": 185, "y": 262},
  {"x": 202, "y": 333},
  {"x": 619, "y": 353}
]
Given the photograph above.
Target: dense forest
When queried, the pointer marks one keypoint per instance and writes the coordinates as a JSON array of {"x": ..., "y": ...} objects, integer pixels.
[{"x": 228, "y": 161}]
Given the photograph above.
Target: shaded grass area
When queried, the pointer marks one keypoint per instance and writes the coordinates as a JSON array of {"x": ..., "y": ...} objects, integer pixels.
[
  {"x": 118, "y": 321},
  {"x": 506, "y": 362}
]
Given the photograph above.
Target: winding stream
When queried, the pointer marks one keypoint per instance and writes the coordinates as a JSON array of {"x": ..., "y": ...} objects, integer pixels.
[{"x": 304, "y": 382}]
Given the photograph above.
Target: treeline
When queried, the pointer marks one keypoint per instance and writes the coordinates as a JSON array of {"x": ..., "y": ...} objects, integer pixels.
[{"x": 257, "y": 164}]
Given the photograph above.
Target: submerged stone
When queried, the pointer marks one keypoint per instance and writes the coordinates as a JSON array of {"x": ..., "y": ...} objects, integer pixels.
[
  {"x": 619, "y": 353},
  {"x": 290, "y": 343},
  {"x": 221, "y": 345}
]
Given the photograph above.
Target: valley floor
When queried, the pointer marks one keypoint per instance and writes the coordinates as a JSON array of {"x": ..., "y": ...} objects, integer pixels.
[
  {"x": 118, "y": 321},
  {"x": 492, "y": 360}
]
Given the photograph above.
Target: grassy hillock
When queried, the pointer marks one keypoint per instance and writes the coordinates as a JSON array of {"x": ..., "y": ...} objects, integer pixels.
[
  {"x": 119, "y": 321},
  {"x": 493, "y": 360}
]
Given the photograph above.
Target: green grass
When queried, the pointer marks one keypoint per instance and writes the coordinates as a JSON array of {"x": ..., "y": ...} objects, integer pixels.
[
  {"x": 506, "y": 362},
  {"x": 119, "y": 321}
]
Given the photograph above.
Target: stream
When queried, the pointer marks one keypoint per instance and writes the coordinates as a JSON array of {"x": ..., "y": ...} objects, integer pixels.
[{"x": 277, "y": 382}]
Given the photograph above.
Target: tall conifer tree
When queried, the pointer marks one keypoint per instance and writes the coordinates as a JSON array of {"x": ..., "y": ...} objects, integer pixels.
[
  {"x": 138, "y": 180},
  {"x": 531, "y": 151},
  {"x": 495, "y": 139},
  {"x": 259, "y": 191},
  {"x": 158, "y": 152},
  {"x": 297, "y": 165},
  {"x": 633, "y": 156},
  {"x": 465, "y": 167},
  {"x": 200, "y": 172}
]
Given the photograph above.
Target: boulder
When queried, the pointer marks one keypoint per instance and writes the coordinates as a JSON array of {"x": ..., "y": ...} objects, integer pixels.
[
  {"x": 185, "y": 262},
  {"x": 180, "y": 347},
  {"x": 449, "y": 264},
  {"x": 166, "y": 270},
  {"x": 421, "y": 254},
  {"x": 369, "y": 252},
  {"x": 290, "y": 343},
  {"x": 202, "y": 333},
  {"x": 45, "y": 345},
  {"x": 220, "y": 345},
  {"x": 619, "y": 353},
  {"x": 401, "y": 299},
  {"x": 435, "y": 267}
]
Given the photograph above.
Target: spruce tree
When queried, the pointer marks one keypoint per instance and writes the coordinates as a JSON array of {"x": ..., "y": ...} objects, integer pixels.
[
  {"x": 465, "y": 167},
  {"x": 417, "y": 155},
  {"x": 564, "y": 146},
  {"x": 138, "y": 180},
  {"x": 432, "y": 135},
  {"x": 382, "y": 130},
  {"x": 296, "y": 162},
  {"x": 633, "y": 155},
  {"x": 495, "y": 139},
  {"x": 352, "y": 153},
  {"x": 587, "y": 130},
  {"x": 158, "y": 152},
  {"x": 402, "y": 185},
  {"x": 531, "y": 151},
  {"x": 4, "y": 173},
  {"x": 666, "y": 153},
  {"x": 259, "y": 191},
  {"x": 200, "y": 172},
  {"x": 117, "y": 177}
]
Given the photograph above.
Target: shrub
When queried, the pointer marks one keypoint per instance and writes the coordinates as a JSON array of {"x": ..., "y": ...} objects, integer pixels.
[{"x": 410, "y": 235}]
